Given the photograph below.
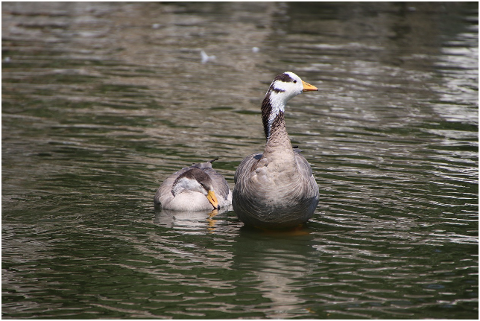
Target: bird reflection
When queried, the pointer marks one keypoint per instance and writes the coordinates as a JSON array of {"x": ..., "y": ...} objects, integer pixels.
[
  {"x": 279, "y": 260},
  {"x": 211, "y": 221},
  {"x": 200, "y": 220}
]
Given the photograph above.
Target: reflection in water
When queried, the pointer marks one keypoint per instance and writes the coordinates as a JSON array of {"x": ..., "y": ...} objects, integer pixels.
[
  {"x": 102, "y": 101},
  {"x": 190, "y": 221},
  {"x": 278, "y": 260}
]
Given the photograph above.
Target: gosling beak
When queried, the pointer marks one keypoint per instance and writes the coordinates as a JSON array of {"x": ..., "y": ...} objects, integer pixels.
[
  {"x": 212, "y": 199},
  {"x": 308, "y": 87}
]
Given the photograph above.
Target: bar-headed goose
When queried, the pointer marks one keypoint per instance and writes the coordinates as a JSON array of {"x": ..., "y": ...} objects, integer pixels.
[
  {"x": 195, "y": 188},
  {"x": 276, "y": 189}
]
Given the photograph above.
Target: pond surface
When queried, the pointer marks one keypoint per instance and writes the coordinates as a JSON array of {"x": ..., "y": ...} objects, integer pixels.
[{"x": 102, "y": 101}]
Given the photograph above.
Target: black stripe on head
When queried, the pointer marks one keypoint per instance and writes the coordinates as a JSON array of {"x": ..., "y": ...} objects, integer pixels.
[
  {"x": 284, "y": 77},
  {"x": 197, "y": 174},
  {"x": 276, "y": 90}
]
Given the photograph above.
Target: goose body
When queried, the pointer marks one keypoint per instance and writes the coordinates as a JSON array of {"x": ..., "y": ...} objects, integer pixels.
[
  {"x": 276, "y": 188},
  {"x": 195, "y": 188}
]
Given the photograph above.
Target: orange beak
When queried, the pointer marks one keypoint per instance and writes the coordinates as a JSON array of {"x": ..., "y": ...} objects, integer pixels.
[
  {"x": 212, "y": 199},
  {"x": 308, "y": 87}
]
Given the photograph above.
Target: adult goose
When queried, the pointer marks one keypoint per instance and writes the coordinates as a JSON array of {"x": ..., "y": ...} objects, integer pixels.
[
  {"x": 195, "y": 188},
  {"x": 276, "y": 188}
]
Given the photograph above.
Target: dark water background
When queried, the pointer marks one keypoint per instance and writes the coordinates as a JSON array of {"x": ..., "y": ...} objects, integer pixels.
[{"x": 102, "y": 101}]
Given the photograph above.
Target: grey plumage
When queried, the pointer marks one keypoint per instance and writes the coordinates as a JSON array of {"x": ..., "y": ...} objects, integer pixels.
[
  {"x": 276, "y": 188},
  {"x": 193, "y": 200}
]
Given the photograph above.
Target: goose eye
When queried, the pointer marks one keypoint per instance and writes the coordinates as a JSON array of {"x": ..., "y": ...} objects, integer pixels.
[{"x": 294, "y": 81}]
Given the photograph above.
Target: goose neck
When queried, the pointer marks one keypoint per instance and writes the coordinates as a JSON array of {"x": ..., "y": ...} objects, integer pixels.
[
  {"x": 273, "y": 117},
  {"x": 273, "y": 109}
]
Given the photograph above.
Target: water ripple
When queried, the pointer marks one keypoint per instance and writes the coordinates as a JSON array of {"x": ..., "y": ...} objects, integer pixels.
[{"x": 101, "y": 102}]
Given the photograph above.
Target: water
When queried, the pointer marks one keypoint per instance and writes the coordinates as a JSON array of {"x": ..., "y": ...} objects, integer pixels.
[{"x": 102, "y": 101}]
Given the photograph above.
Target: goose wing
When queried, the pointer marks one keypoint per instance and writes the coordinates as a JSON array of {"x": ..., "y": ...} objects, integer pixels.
[
  {"x": 219, "y": 183},
  {"x": 247, "y": 166},
  {"x": 164, "y": 192},
  {"x": 309, "y": 184}
]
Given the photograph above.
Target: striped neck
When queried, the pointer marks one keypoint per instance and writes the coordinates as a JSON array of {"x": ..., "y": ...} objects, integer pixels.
[
  {"x": 273, "y": 109},
  {"x": 273, "y": 117}
]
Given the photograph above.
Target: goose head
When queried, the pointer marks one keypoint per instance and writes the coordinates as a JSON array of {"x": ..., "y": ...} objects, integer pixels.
[
  {"x": 288, "y": 85},
  {"x": 284, "y": 87},
  {"x": 195, "y": 180}
]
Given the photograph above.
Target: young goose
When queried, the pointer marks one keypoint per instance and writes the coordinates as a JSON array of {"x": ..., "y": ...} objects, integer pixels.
[
  {"x": 276, "y": 189},
  {"x": 195, "y": 188}
]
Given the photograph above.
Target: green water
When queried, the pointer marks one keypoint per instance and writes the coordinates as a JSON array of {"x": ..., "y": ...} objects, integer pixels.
[{"x": 102, "y": 101}]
